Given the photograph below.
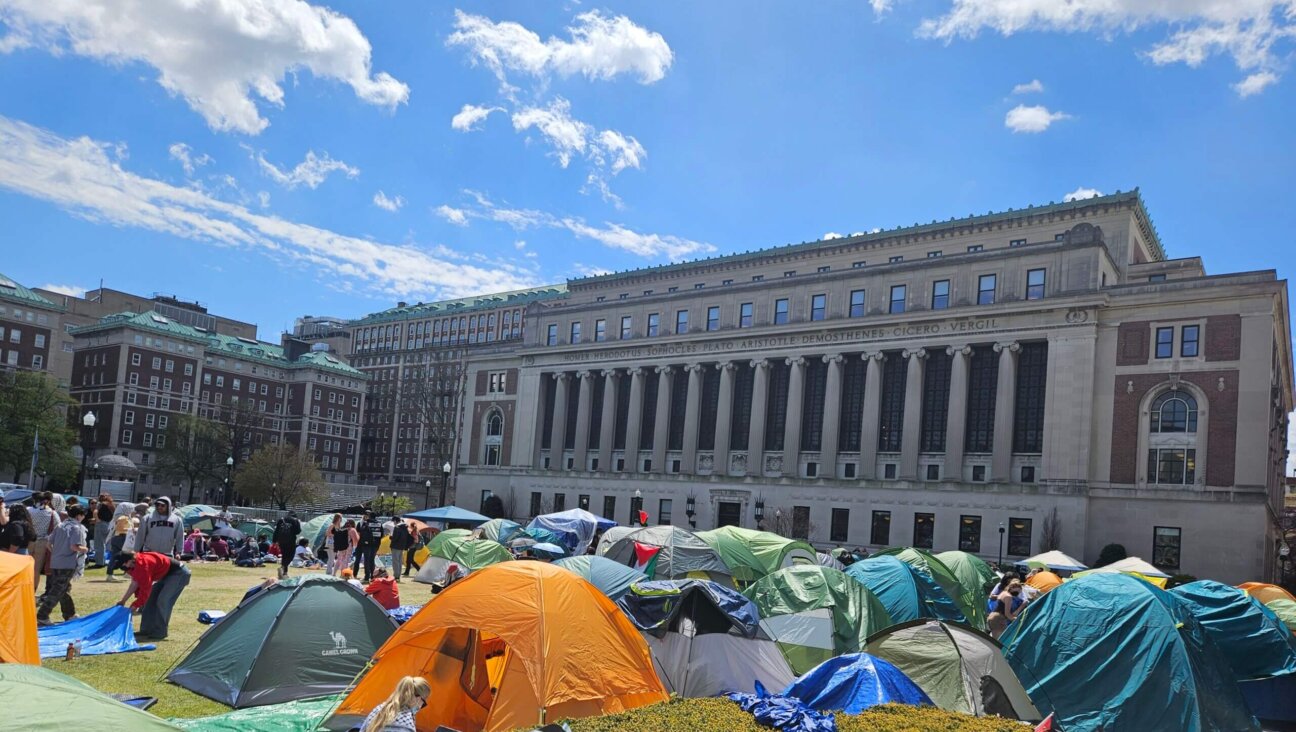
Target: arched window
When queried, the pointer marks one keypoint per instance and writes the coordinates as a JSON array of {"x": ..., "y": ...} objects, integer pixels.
[
  {"x": 1174, "y": 411},
  {"x": 494, "y": 442},
  {"x": 1172, "y": 439},
  {"x": 495, "y": 425}
]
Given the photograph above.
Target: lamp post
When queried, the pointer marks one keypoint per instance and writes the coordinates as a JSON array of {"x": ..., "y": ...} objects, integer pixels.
[
  {"x": 87, "y": 436},
  {"x": 445, "y": 481},
  {"x": 1001, "y": 540},
  {"x": 778, "y": 520},
  {"x": 229, "y": 480},
  {"x": 636, "y": 507},
  {"x": 427, "y": 493},
  {"x": 690, "y": 509},
  {"x": 760, "y": 514}
]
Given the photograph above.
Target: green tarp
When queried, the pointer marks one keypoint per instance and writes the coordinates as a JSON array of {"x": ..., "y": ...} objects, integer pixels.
[
  {"x": 815, "y": 612},
  {"x": 907, "y": 593},
  {"x": 971, "y": 600},
  {"x": 1111, "y": 652},
  {"x": 41, "y": 698},
  {"x": 1285, "y": 610},
  {"x": 1256, "y": 643},
  {"x": 294, "y": 716},
  {"x": 751, "y": 555}
]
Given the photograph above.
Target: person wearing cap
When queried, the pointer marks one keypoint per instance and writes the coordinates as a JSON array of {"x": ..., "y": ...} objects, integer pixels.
[
  {"x": 161, "y": 531},
  {"x": 286, "y": 532}
]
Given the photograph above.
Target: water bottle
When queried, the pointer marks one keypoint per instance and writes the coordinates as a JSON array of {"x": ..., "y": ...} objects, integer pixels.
[
  {"x": 71, "y": 652},
  {"x": 78, "y": 647}
]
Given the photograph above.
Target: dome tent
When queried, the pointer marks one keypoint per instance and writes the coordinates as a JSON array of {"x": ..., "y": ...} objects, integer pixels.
[
  {"x": 574, "y": 527},
  {"x": 298, "y": 638},
  {"x": 853, "y": 683},
  {"x": 1256, "y": 643},
  {"x": 906, "y": 593},
  {"x": 499, "y": 529},
  {"x": 751, "y": 555},
  {"x": 682, "y": 554},
  {"x": 460, "y": 548},
  {"x": 18, "y": 638},
  {"x": 612, "y": 579},
  {"x": 970, "y": 598},
  {"x": 962, "y": 669},
  {"x": 1044, "y": 581},
  {"x": 42, "y": 698},
  {"x": 973, "y": 572}
]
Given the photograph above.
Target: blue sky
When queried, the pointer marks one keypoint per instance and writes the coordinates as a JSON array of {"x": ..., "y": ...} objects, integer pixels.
[{"x": 606, "y": 136}]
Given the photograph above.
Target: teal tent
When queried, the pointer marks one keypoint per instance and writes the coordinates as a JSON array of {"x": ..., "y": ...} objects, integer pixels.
[
  {"x": 1256, "y": 643},
  {"x": 905, "y": 591},
  {"x": 501, "y": 530},
  {"x": 612, "y": 579},
  {"x": 1111, "y": 652},
  {"x": 316, "y": 530},
  {"x": 299, "y": 638},
  {"x": 969, "y": 598}
]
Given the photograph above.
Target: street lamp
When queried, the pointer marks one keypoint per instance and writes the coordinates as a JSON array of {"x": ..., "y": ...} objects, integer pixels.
[
  {"x": 1001, "y": 540},
  {"x": 778, "y": 520},
  {"x": 87, "y": 437},
  {"x": 760, "y": 514},
  {"x": 229, "y": 480},
  {"x": 427, "y": 492},
  {"x": 445, "y": 481},
  {"x": 690, "y": 508},
  {"x": 636, "y": 507}
]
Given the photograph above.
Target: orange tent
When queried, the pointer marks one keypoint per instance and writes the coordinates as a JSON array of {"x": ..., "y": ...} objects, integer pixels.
[
  {"x": 513, "y": 646},
  {"x": 18, "y": 642},
  {"x": 1265, "y": 593},
  {"x": 1044, "y": 581}
]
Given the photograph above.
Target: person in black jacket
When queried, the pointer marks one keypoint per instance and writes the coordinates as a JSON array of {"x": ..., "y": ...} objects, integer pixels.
[
  {"x": 371, "y": 534},
  {"x": 401, "y": 540},
  {"x": 285, "y": 535}
]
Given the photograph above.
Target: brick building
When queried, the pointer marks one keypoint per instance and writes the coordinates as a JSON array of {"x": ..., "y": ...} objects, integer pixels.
[{"x": 29, "y": 328}]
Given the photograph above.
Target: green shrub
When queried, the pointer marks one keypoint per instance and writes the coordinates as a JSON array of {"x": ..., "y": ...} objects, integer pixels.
[{"x": 1111, "y": 553}]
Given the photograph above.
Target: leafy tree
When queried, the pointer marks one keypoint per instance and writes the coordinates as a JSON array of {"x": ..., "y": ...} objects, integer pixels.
[
  {"x": 1111, "y": 553},
  {"x": 281, "y": 475},
  {"x": 393, "y": 505},
  {"x": 31, "y": 402},
  {"x": 195, "y": 449}
]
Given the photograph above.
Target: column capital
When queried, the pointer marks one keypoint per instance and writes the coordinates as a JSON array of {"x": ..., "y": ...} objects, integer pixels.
[
  {"x": 727, "y": 366},
  {"x": 760, "y": 363},
  {"x": 694, "y": 368},
  {"x": 609, "y": 373},
  {"x": 796, "y": 361},
  {"x": 918, "y": 353},
  {"x": 664, "y": 369},
  {"x": 561, "y": 375},
  {"x": 584, "y": 374},
  {"x": 1012, "y": 346},
  {"x": 635, "y": 371},
  {"x": 874, "y": 356},
  {"x": 964, "y": 350},
  {"x": 833, "y": 358}
]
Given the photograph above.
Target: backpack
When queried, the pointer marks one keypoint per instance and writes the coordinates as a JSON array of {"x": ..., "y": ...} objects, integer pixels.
[{"x": 283, "y": 532}]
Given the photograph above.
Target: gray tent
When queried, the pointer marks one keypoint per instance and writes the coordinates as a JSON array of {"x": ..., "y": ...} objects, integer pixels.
[{"x": 682, "y": 554}]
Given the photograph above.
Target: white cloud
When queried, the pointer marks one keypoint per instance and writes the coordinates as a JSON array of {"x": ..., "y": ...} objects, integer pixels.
[
  {"x": 520, "y": 244},
  {"x": 1081, "y": 193},
  {"x": 625, "y": 151},
  {"x": 600, "y": 48},
  {"x": 69, "y": 290},
  {"x": 392, "y": 204},
  {"x": 468, "y": 118},
  {"x": 1034, "y": 86},
  {"x": 79, "y": 176},
  {"x": 1245, "y": 30},
  {"x": 1031, "y": 119},
  {"x": 565, "y": 134},
  {"x": 881, "y": 6},
  {"x": 183, "y": 154},
  {"x": 1255, "y": 83},
  {"x": 589, "y": 270},
  {"x": 608, "y": 151},
  {"x": 216, "y": 55},
  {"x": 263, "y": 198},
  {"x": 830, "y": 235},
  {"x": 453, "y": 215},
  {"x": 311, "y": 171}
]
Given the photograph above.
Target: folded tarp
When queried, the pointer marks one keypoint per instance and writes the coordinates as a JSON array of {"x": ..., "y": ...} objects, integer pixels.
[
  {"x": 294, "y": 716},
  {"x": 107, "y": 631}
]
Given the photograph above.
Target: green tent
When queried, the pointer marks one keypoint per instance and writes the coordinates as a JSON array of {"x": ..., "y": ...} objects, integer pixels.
[
  {"x": 905, "y": 591},
  {"x": 972, "y": 572},
  {"x": 293, "y": 716},
  {"x": 500, "y": 530},
  {"x": 41, "y": 698},
  {"x": 316, "y": 530},
  {"x": 814, "y": 613},
  {"x": 1285, "y": 610},
  {"x": 460, "y": 549},
  {"x": 751, "y": 555},
  {"x": 971, "y": 600},
  {"x": 299, "y": 638},
  {"x": 257, "y": 529}
]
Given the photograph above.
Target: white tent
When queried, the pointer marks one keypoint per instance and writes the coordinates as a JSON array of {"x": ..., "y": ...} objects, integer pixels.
[
  {"x": 1055, "y": 561},
  {"x": 612, "y": 536},
  {"x": 695, "y": 664},
  {"x": 1131, "y": 564}
]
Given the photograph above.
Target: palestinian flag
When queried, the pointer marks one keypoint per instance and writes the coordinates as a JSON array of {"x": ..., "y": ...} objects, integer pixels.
[
  {"x": 645, "y": 558},
  {"x": 1047, "y": 725}
]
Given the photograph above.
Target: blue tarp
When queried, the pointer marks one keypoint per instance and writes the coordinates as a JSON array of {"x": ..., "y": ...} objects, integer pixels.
[
  {"x": 1255, "y": 642},
  {"x": 907, "y": 593},
  {"x": 404, "y": 612},
  {"x": 448, "y": 514},
  {"x": 575, "y": 528},
  {"x": 107, "y": 631},
  {"x": 854, "y": 682},
  {"x": 783, "y": 713},
  {"x": 654, "y": 606}
]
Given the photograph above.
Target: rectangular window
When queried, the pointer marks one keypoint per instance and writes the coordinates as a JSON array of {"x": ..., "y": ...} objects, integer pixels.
[
  {"x": 889, "y": 471},
  {"x": 899, "y": 294},
  {"x": 1019, "y": 537},
  {"x": 986, "y": 289},
  {"x": 188, "y": 369},
  {"x": 1172, "y": 466},
  {"x": 1165, "y": 546},
  {"x": 551, "y": 336},
  {"x": 970, "y": 534},
  {"x": 130, "y": 418},
  {"x": 148, "y": 439},
  {"x": 609, "y": 506},
  {"x": 575, "y": 332},
  {"x": 713, "y": 318},
  {"x": 818, "y": 307},
  {"x": 790, "y": 273},
  {"x": 600, "y": 330},
  {"x": 758, "y": 278},
  {"x": 38, "y": 362},
  {"x": 858, "y": 265},
  {"x": 924, "y": 530},
  {"x": 536, "y": 508},
  {"x": 654, "y": 322},
  {"x": 839, "y": 528},
  {"x": 1028, "y": 474},
  {"x": 857, "y": 303},
  {"x": 127, "y": 435},
  {"x": 726, "y": 282},
  {"x": 1017, "y": 242},
  {"x": 801, "y": 522},
  {"x": 933, "y": 472},
  {"x": 1164, "y": 342},
  {"x": 1035, "y": 284},
  {"x": 780, "y": 311},
  {"x": 157, "y": 362},
  {"x": 681, "y": 321},
  {"x": 972, "y": 248},
  {"x": 978, "y": 473},
  {"x": 170, "y": 366},
  {"x": 664, "y": 511},
  {"x": 135, "y": 359},
  {"x": 940, "y": 294},
  {"x": 1189, "y": 336},
  {"x": 880, "y": 531},
  {"x": 627, "y": 323},
  {"x": 745, "y": 315},
  {"x": 1156, "y": 278},
  {"x": 934, "y": 254},
  {"x": 560, "y": 502}
]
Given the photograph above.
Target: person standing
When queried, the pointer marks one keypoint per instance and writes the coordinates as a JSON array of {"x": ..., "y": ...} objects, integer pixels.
[
  {"x": 223, "y": 519},
  {"x": 371, "y": 535},
  {"x": 67, "y": 547},
  {"x": 44, "y": 520},
  {"x": 103, "y": 531},
  {"x": 161, "y": 531},
  {"x": 17, "y": 533},
  {"x": 412, "y": 551},
  {"x": 285, "y": 535},
  {"x": 400, "y": 543},
  {"x": 156, "y": 582},
  {"x": 336, "y": 541}
]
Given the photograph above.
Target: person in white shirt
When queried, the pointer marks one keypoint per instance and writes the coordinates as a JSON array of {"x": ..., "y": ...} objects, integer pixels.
[{"x": 222, "y": 520}]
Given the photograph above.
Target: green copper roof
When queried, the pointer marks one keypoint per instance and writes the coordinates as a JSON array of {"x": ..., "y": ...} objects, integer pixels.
[
  {"x": 1145, "y": 223},
  {"x": 463, "y": 305},
  {"x": 14, "y": 292},
  {"x": 218, "y": 343}
]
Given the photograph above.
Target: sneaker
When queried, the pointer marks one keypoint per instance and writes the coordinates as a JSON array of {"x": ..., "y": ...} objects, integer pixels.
[
  {"x": 43, "y": 623},
  {"x": 110, "y": 578},
  {"x": 74, "y": 617}
]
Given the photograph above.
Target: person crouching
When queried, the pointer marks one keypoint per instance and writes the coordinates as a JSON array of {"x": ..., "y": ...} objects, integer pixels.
[{"x": 156, "y": 582}]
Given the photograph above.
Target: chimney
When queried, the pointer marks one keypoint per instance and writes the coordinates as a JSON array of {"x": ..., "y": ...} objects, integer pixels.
[
  {"x": 293, "y": 347},
  {"x": 401, "y": 304}
]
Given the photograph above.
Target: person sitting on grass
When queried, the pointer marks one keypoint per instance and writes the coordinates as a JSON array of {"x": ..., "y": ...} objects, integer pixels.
[
  {"x": 397, "y": 713},
  {"x": 303, "y": 556},
  {"x": 220, "y": 548},
  {"x": 249, "y": 555},
  {"x": 383, "y": 589},
  {"x": 156, "y": 582},
  {"x": 349, "y": 575}
]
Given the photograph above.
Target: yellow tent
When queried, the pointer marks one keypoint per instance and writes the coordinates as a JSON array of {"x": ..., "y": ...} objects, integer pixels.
[
  {"x": 1265, "y": 593},
  {"x": 513, "y": 646},
  {"x": 18, "y": 642}
]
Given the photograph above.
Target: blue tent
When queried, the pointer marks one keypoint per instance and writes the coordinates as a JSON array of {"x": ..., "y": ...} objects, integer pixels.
[
  {"x": 501, "y": 530},
  {"x": 612, "y": 579},
  {"x": 107, "y": 631},
  {"x": 575, "y": 528},
  {"x": 1256, "y": 643},
  {"x": 448, "y": 514},
  {"x": 907, "y": 593},
  {"x": 1111, "y": 652},
  {"x": 654, "y": 606},
  {"x": 854, "y": 682}
]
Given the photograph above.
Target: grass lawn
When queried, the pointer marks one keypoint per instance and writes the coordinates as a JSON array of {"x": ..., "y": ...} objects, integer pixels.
[{"x": 215, "y": 586}]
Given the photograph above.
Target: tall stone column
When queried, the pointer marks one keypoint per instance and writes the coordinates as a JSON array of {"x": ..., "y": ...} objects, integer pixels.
[
  {"x": 661, "y": 431},
  {"x": 538, "y": 449},
  {"x": 956, "y": 420},
  {"x": 909, "y": 441},
  {"x": 559, "y": 430},
  {"x": 792, "y": 422},
  {"x": 580, "y": 451},
  {"x": 1005, "y": 410},
  {"x": 692, "y": 418},
  {"x": 756, "y": 430},
  {"x": 724, "y": 418},
  {"x": 607, "y": 421},
  {"x": 831, "y": 416},
  {"x": 872, "y": 408},
  {"x": 634, "y": 418}
]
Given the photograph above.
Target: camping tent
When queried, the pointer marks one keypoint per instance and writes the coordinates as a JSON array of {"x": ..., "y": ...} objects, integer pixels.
[
  {"x": 853, "y": 683},
  {"x": 190, "y": 513},
  {"x": 705, "y": 638},
  {"x": 575, "y": 528},
  {"x": 828, "y": 560},
  {"x": 459, "y": 548},
  {"x": 962, "y": 669},
  {"x": 1111, "y": 652},
  {"x": 18, "y": 642},
  {"x": 972, "y": 571},
  {"x": 316, "y": 530},
  {"x": 1286, "y": 612},
  {"x": 1266, "y": 593},
  {"x": 1044, "y": 581},
  {"x": 515, "y": 645},
  {"x": 500, "y": 530},
  {"x": 906, "y": 593},
  {"x": 611, "y": 536},
  {"x": 1054, "y": 561},
  {"x": 612, "y": 579},
  {"x": 300, "y": 637},
  {"x": 667, "y": 552},
  {"x": 751, "y": 555},
  {"x": 815, "y": 612},
  {"x": 1255, "y": 641},
  {"x": 41, "y": 698},
  {"x": 1128, "y": 564},
  {"x": 970, "y": 598},
  {"x": 448, "y": 515}
]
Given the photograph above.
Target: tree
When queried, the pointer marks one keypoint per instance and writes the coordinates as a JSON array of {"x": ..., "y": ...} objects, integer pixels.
[
  {"x": 1051, "y": 535},
  {"x": 493, "y": 507},
  {"x": 31, "y": 403},
  {"x": 282, "y": 475},
  {"x": 1111, "y": 553},
  {"x": 393, "y": 505},
  {"x": 195, "y": 449}
]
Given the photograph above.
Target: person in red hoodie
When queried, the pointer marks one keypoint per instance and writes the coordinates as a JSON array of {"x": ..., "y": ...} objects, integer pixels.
[
  {"x": 384, "y": 590},
  {"x": 156, "y": 582}
]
